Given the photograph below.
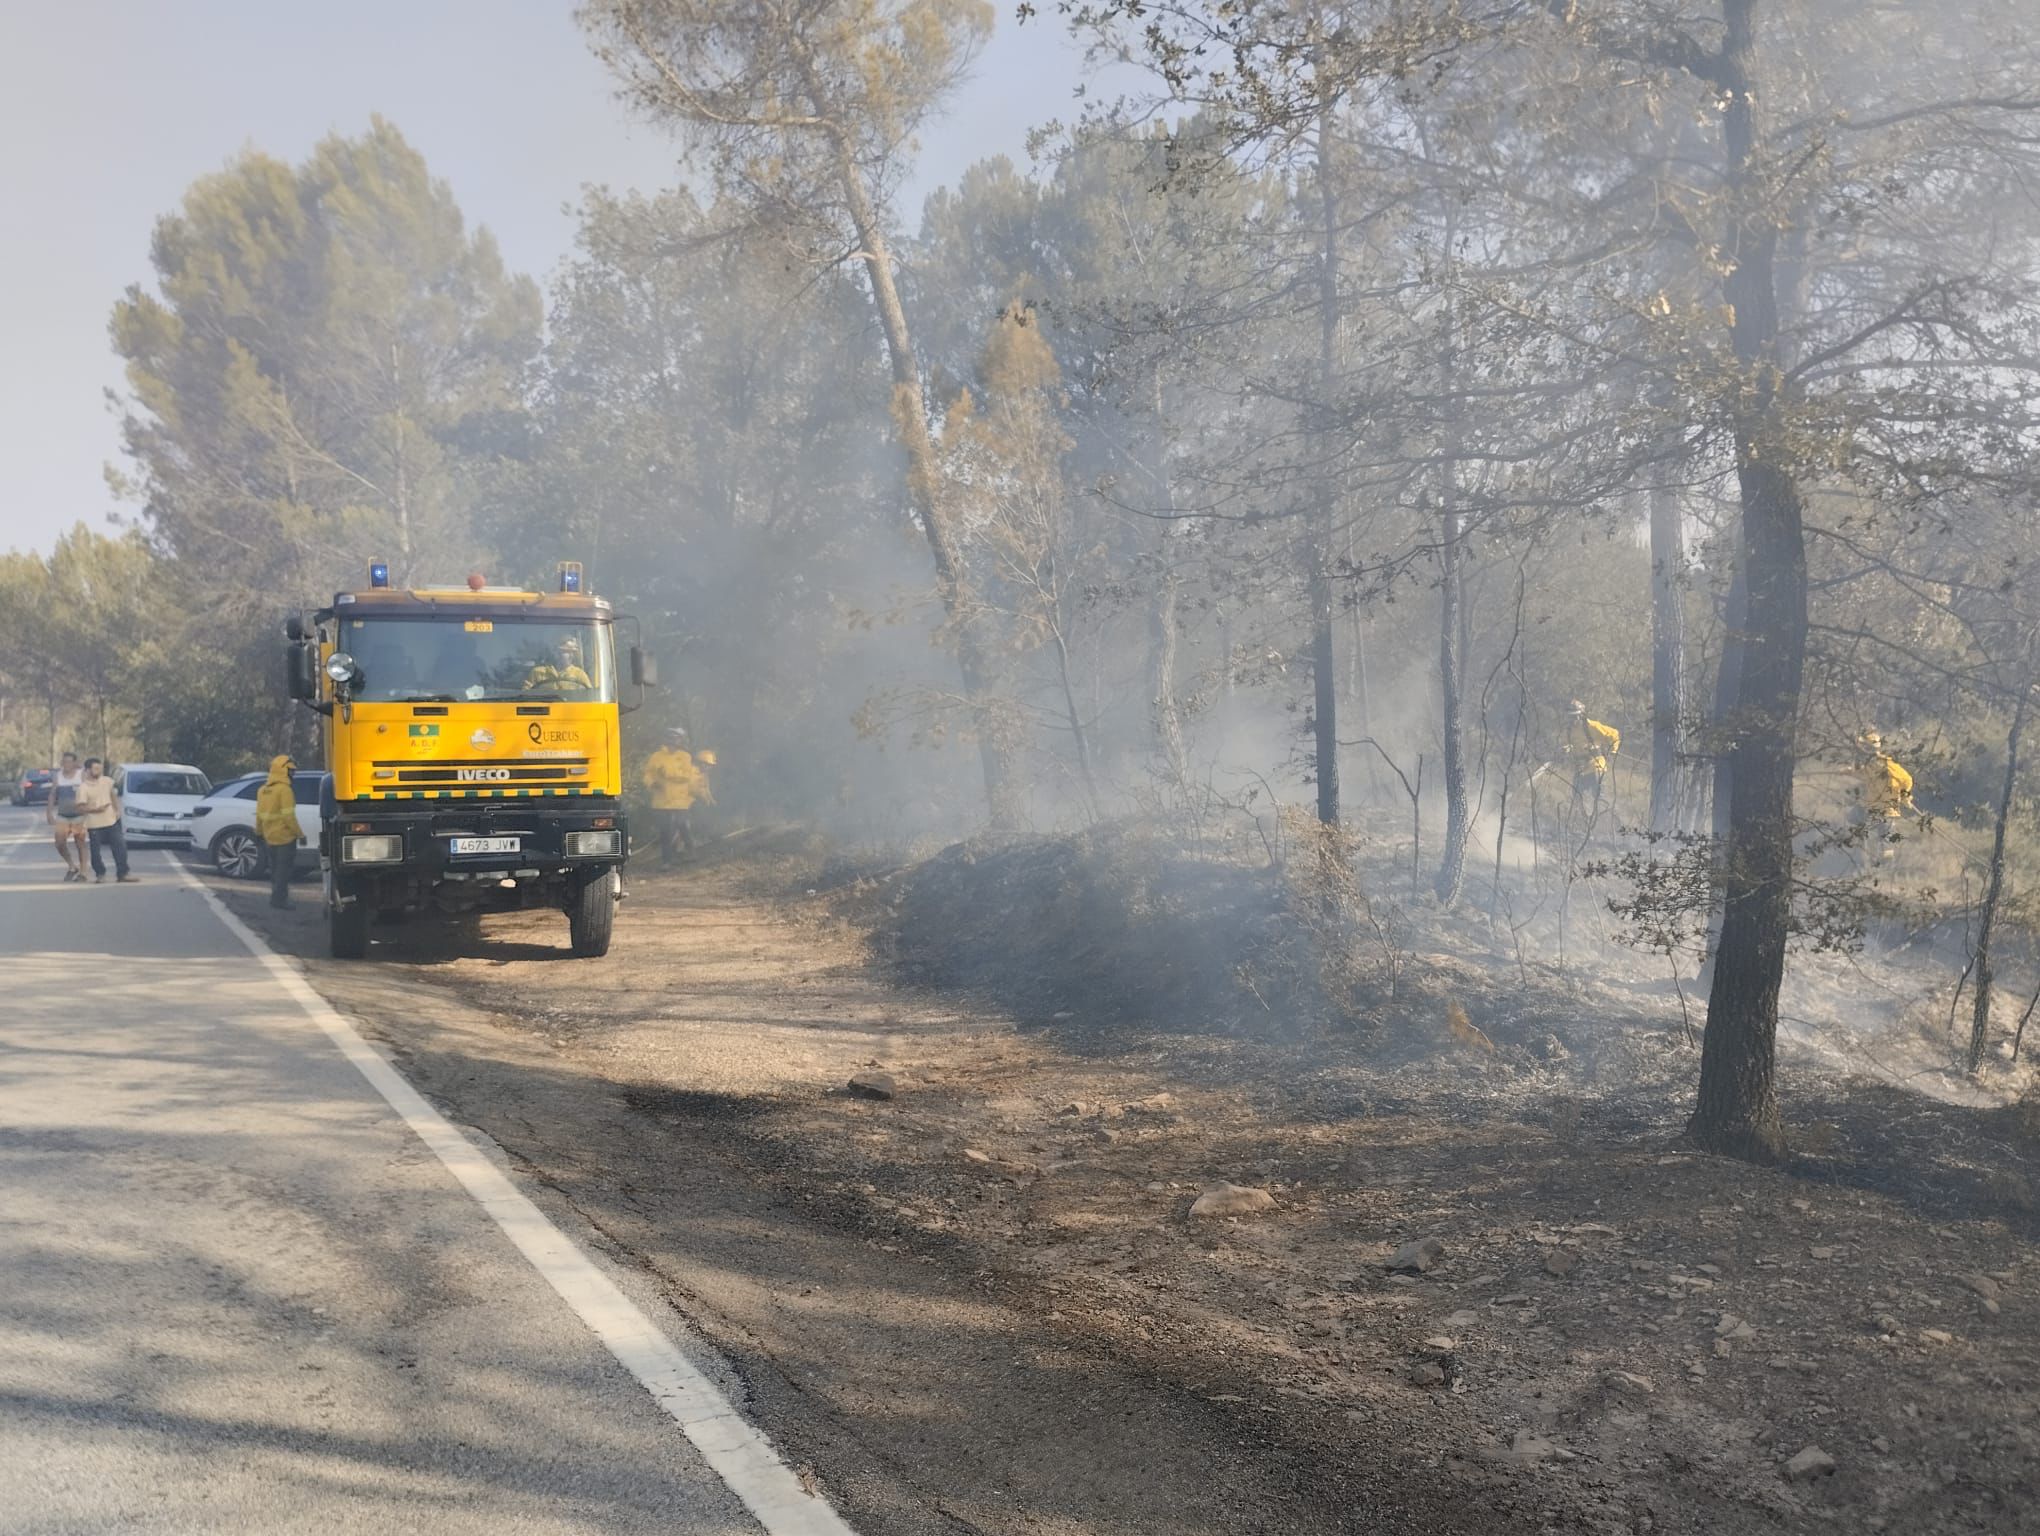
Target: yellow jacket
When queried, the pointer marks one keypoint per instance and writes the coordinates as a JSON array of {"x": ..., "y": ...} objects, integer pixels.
[
  {"x": 1885, "y": 786},
  {"x": 276, "y": 806},
  {"x": 674, "y": 779},
  {"x": 1593, "y": 741},
  {"x": 557, "y": 678}
]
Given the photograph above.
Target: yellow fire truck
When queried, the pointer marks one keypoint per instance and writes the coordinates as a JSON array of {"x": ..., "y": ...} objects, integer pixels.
[{"x": 472, "y": 746}]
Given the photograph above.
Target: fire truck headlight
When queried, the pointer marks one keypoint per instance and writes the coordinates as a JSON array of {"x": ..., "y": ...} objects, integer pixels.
[
  {"x": 584, "y": 845},
  {"x": 377, "y": 849},
  {"x": 340, "y": 667}
]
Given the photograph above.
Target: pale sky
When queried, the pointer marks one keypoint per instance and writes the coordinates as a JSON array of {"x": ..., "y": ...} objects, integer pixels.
[{"x": 110, "y": 108}]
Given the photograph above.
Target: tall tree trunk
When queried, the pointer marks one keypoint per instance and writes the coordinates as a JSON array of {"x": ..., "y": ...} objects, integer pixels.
[
  {"x": 1356, "y": 673},
  {"x": 924, "y": 490},
  {"x": 400, "y": 480},
  {"x": 1979, "y": 1030},
  {"x": 1667, "y": 654},
  {"x": 1735, "y": 624},
  {"x": 1324, "y": 689},
  {"x": 1453, "y": 623},
  {"x": 1735, "y": 617},
  {"x": 1164, "y": 636},
  {"x": 1360, "y": 708},
  {"x": 1513, "y": 656},
  {"x": 1164, "y": 619},
  {"x": 1737, "y": 1109},
  {"x": 1323, "y": 648},
  {"x": 1227, "y": 683},
  {"x": 1073, "y": 717},
  {"x": 1451, "y": 598}
]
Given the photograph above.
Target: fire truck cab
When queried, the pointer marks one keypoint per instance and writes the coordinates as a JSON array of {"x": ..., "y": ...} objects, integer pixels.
[{"x": 472, "y": 738}]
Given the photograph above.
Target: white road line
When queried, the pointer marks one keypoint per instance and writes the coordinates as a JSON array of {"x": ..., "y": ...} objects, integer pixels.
[
  {"x": 737, "y": 1451},
  {"x": 9, "y": 850}
]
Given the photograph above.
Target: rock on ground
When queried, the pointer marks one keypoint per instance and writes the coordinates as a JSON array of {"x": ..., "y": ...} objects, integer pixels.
[
  {"x": 1416, "y": 1256},
  {"x": 1529, "y": 1448},
  {"x": 1224, "y": 1199},
  {"x": 1808, "y": 1464}
]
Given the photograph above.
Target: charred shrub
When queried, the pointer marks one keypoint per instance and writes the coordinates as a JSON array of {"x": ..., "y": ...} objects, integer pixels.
[
  {"x": 1115, "y": 931},
  {"x": 1353, "y": 948}
]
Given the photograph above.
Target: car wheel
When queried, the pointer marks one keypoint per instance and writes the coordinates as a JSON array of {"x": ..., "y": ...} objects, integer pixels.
[{"x": 236, "y": 854}]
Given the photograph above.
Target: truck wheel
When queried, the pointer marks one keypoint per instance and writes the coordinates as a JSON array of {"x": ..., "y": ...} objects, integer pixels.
[
  {"x": 347, "y": 930},
  {"x": 591, "y": 914}
]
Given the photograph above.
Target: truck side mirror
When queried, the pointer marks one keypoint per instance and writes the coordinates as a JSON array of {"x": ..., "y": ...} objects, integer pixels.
[
  {"x": 301, "y": 672},
  {"x": 644, "y": 670},
  {"x": 294, "y": 627}
]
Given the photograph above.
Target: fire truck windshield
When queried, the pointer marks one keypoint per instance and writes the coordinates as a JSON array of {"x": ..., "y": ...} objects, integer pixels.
[{"x": 446, "y": 660}]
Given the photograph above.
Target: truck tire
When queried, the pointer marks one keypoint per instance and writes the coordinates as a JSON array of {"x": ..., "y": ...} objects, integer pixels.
[
  {"x": 347, "y": 930},
  {"x": 591, "y": 915}
]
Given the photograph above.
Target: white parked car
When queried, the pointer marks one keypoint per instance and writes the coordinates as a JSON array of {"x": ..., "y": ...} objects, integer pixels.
[
  {"x": 157, "y": 799},
  {"x": 222, "y": 826}
]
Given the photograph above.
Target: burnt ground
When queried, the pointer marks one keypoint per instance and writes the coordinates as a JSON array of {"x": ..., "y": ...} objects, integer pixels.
[{"x": 984, "y": 1305}]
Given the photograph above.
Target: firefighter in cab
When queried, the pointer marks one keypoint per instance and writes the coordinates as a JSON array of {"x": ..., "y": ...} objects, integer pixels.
[
  {"x": 1590, "y": 746},
  {"x": 560, "y": 672},
  {"x": 677, "y": 777}
]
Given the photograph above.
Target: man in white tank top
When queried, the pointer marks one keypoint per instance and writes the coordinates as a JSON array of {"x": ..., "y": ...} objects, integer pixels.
[{"x": 67, "y": 818}]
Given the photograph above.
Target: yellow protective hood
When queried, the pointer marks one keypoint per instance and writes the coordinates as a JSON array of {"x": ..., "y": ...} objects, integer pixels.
[{"x": 279, "y": 769}]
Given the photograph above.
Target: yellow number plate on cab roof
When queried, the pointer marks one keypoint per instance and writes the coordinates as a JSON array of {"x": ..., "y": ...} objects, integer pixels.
[{"x": 480, "y": 626}]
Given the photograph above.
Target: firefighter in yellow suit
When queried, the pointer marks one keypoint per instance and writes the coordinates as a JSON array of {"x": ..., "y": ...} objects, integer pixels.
[
  {"x": 678, "y": 780},
  {"x": 560, "y": 673},
  {"x": 1884, "y": 790},
  {"x": 276, "y": 824},
  {"x": 1590, "y": 745}
]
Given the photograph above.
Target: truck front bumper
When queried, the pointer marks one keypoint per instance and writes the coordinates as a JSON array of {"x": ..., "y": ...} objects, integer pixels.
[{"x": 471, "y": 852}]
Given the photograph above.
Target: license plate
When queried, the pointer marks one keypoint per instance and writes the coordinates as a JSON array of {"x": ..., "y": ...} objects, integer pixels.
[{"x": 488, "y": 844}]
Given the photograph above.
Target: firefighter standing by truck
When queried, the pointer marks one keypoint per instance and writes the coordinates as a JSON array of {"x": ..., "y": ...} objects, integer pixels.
[
  {"x": 276, "y": 821},
  {"x": 678, "y": 780}
]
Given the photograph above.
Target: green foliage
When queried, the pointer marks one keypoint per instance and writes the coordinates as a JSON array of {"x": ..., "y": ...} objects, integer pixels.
[
  {"x": 328, "y": 368},
  {"x": 74, "y": 630},
  {"x": 32, "y": 673},
  {"x": 773, "y": 99},
  {"x": 323, "y": 342}
]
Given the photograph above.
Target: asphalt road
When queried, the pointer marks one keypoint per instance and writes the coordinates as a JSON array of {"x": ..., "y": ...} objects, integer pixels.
[{"x": 239, "y": 1293}]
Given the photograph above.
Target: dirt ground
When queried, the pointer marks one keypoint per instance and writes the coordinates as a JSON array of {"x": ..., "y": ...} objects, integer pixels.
[{"x": 1490, "y": 1289}]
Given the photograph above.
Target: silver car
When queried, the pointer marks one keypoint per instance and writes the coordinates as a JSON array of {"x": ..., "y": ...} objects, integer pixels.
[{"x": 223, "y": 826}]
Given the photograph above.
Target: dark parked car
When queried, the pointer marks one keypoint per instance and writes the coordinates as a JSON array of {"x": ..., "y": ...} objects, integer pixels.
[{"x": 33, "y": 787}]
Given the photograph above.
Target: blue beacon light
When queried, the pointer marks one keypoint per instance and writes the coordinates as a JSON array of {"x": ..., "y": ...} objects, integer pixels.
[{"x": 379, "y": 574}]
